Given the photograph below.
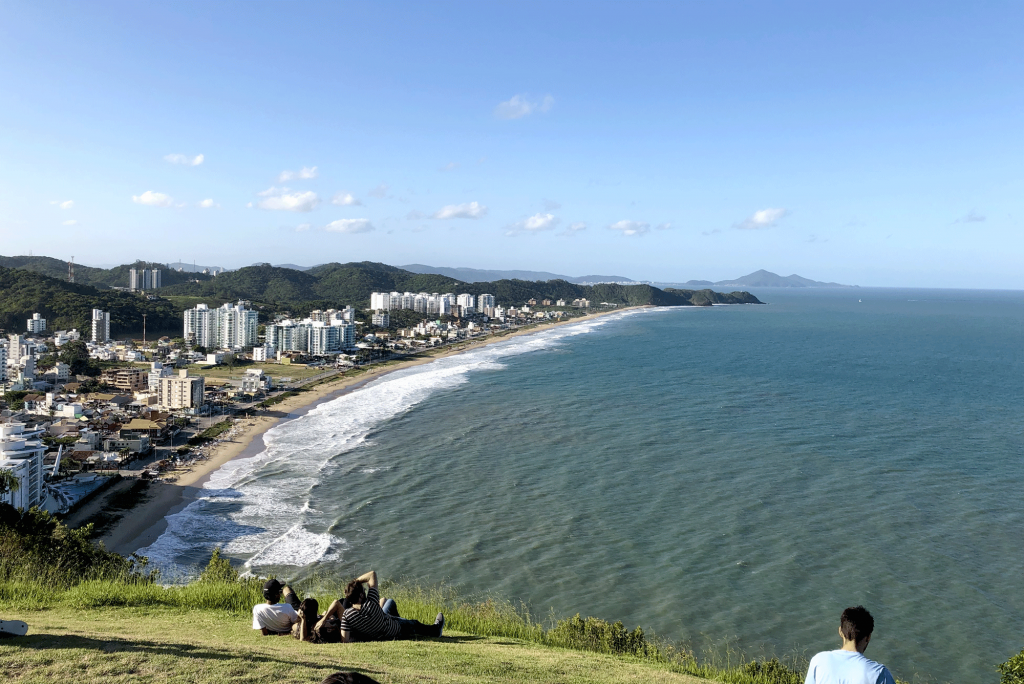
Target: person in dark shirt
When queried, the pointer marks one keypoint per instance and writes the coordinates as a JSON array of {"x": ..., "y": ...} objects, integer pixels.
[
  {"x": 365, "y": 617},
  {"x": 315, "y": 628}
]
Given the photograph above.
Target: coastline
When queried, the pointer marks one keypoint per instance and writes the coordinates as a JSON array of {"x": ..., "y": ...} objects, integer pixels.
[{"x": 145, "y": 522}]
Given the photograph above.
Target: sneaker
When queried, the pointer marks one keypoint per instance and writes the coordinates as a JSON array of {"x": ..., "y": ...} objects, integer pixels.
[{"x": 439, "y": 622}]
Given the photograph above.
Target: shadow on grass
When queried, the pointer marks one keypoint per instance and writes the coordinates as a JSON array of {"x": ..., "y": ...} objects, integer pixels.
[{"x": 42, "y": 642}]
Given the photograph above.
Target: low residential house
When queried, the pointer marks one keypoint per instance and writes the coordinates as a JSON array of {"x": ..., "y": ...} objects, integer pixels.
[
  {"x": 255, "y": 381},
  {"x": 134, "y": 443},
  {"x": 545, "y": 302},
  {"x": 141, "y": 426}
]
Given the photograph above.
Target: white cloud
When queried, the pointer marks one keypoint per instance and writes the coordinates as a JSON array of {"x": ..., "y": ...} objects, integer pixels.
[
  {"x": 663, "y": 226},
  {"x": 379, "y": 191},
  {"x": 762, "y": 218},
  {"x": 153, "y": 199},
  {"x": 282, "y": 199},
  {"x": 305, "y": 173},
  {"x": 71, "y": 222},
  {"x": 450, "y": 166},
  {"x": 574, "y": 228},
  {"x": 208, "y": 204},
  {"x": 470, "y": 210},
  {"x": 349, "y": 226},
  {"x": 970, "y": 217},
  {"x": 534, "y": 224},
  {"x": 630, "y": 227},
  {"x": 302, "y": 227},
  {"x": 184, "y": 159},
  {"x": 66, "y": 204},
  {"x": 345, "y": 199},
  {"x": 522, "y": 105}
]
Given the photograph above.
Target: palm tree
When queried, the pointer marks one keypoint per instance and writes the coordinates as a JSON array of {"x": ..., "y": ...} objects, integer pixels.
[{"x": 8, "y": 482}]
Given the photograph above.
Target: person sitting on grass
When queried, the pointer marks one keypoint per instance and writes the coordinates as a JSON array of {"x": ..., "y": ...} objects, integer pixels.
[
  {"x": 376, "y": 620},
  {"x": 318, "y": 629},
  {"x": 848, "y": 664},
  {"x": 274, "y": 617}
]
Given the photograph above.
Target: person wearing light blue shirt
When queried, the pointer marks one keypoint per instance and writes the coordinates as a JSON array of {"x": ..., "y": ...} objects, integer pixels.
[{"x": 848, "y": 664}]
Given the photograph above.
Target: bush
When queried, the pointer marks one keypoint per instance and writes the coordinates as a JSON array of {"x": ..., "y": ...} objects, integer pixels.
[
  {"x": 1012, "y": 671},
  {"x": 594, "y": 634},
  {"x": 771, "y": 672},
  {"x": 36, "y": 546},
  {"x": 218, "y": 569}
]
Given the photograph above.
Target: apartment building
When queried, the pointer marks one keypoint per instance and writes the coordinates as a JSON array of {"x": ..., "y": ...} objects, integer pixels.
[
  {"x": 143, "y": 279},
  {"x": 126, "y": 379},
  {"x": 228, "y": 327},
  {"x": 21, "y": 453},
  {"x": 100, "y": 326},
  {"x": 182, "y": 391},
  {"x": 36, "y": 324}
]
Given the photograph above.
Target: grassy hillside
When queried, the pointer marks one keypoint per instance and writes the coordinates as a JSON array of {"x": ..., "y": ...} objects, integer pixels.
[
  {"x": 65, "y": 305},
  {"x": 180, "y": 645}
]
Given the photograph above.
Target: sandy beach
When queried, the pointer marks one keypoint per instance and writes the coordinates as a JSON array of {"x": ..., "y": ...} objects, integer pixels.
[{"x": 141, "y": 526}]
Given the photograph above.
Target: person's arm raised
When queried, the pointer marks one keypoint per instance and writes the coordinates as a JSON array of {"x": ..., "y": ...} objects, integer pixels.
[{"x": 369, "y": 577}]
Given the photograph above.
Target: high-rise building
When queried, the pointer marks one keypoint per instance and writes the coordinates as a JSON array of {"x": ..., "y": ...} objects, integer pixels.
[
  {"x": 311, "y": 337},
  {"x": 229, "y": 327},
  {"x": 100, "y": 326},
  {"x": 36, "y": 324},
  {"x": 381, "y": 319},
  {"x": 3, "y": 362},
  {"x": 143, "y": 279},
  {"x": 485, "y": 301},
  {"x": 22, "y": 453}
]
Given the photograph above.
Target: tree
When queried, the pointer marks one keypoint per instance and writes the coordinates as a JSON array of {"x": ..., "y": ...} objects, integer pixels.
[
  {"x": 76, "y": 355},
  {"x": 8, "y": 482},
  {"x": 199, "y": 349}
]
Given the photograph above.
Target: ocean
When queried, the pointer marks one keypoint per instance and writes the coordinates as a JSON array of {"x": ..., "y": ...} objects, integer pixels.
[{"x": 734, "y": 475}]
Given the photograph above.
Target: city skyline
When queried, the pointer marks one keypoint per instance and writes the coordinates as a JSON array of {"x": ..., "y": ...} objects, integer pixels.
[{"x": 869, "y": 145}]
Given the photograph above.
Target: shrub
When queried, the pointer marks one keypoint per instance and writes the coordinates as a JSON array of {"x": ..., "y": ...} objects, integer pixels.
[
  {"x": 594, "y": 634},
  {"x": 1012, "y": 671},
  {"x": 771, "y": 672},
  {"x": 218, "y": 569}
]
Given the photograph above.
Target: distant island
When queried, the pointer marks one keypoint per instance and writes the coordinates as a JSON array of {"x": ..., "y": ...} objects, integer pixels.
[{"x": 761, "y": 278}]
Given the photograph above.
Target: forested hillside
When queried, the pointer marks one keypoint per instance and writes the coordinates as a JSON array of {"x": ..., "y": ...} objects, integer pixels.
[
  {"x": 66, "y": 305},
  {"x": 101, "y": 278}
]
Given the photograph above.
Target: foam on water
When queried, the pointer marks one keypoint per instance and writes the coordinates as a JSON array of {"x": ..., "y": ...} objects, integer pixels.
[{"x": 258, "y": 507}]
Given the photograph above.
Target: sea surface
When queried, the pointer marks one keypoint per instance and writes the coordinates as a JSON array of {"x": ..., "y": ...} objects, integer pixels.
[{"x": 734, "y": 475}]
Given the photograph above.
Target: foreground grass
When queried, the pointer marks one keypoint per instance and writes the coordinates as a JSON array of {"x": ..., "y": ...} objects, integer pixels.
[{"x": 178, "y": 645}]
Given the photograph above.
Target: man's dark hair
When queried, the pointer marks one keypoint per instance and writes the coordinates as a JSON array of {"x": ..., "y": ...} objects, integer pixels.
[
  {"x": 856, "y": 624},
  {"x": 272, "y": 589},
  {"x": 354, "y": 592}
]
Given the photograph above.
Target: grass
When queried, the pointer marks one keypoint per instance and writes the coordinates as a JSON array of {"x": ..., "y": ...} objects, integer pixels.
[
  {"x": 102, "y": 630},
  {"x": 181, "y": 645},
  {"x": 295, "y": 371}
]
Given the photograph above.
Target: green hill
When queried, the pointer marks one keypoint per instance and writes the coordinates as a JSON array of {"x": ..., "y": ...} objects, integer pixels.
[
  {"x": 101, "y": 278},
  {"x": 69, "y": 305}
]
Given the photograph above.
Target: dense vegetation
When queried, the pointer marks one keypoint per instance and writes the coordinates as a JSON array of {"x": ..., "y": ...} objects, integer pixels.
[
  {"x": 69, "y": 305},
  {"x": 100, "y": 278}
]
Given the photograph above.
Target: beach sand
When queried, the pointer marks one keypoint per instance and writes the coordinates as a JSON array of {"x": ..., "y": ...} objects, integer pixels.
[{"x": 142, "y": 525}]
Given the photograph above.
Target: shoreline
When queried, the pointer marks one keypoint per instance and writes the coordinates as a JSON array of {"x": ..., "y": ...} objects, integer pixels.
[{"x": 145, "y": 522}]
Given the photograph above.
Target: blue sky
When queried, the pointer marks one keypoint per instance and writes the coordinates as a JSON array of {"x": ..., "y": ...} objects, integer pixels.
[{"x": 875, "y": 144}]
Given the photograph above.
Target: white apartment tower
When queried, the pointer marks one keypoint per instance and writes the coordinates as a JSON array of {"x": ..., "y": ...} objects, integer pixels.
[
  {"x": 229, "y": 327},
  {"x": 485, "y": 301},
  {"x": 36, "y": 324},
  {"x": 100, "y": 326},
  {"x": 22, "y": 454},
  {"x": 143, "y": 279}
]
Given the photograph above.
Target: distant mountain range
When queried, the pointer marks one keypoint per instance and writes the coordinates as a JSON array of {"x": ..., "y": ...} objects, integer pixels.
[
  {"x": 476, "y": 275},
  {"x": 760, "y": 278}
]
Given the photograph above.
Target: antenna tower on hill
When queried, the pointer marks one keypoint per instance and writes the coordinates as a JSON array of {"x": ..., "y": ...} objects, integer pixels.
[{"x": 71, "y": 270}]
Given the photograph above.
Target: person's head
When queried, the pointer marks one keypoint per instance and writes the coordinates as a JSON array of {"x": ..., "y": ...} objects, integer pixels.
[
  {"x": 348, "y": 678},
  {"x": 309, "y": 609},
  {"x": 272, "y": 591},
  {"x": 354, "y": 592},
  {"x": 856, "y": 625}
]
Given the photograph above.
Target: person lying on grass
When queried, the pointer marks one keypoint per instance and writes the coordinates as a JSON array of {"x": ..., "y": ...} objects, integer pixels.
[
  {"x": 274, "y": 617},
  {"x": 315, "y": 628},
  {"x": 374, "y": 620}
]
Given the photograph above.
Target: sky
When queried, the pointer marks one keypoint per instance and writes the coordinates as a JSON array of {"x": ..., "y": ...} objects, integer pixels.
[{"x": 868, "y": 143}]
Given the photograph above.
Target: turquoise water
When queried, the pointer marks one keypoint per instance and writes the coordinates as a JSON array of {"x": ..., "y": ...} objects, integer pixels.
[{"x": 737, "y": 473}]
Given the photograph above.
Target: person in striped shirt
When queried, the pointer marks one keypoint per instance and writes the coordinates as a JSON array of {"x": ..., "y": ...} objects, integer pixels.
[{"x": 368, "y": 618}]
